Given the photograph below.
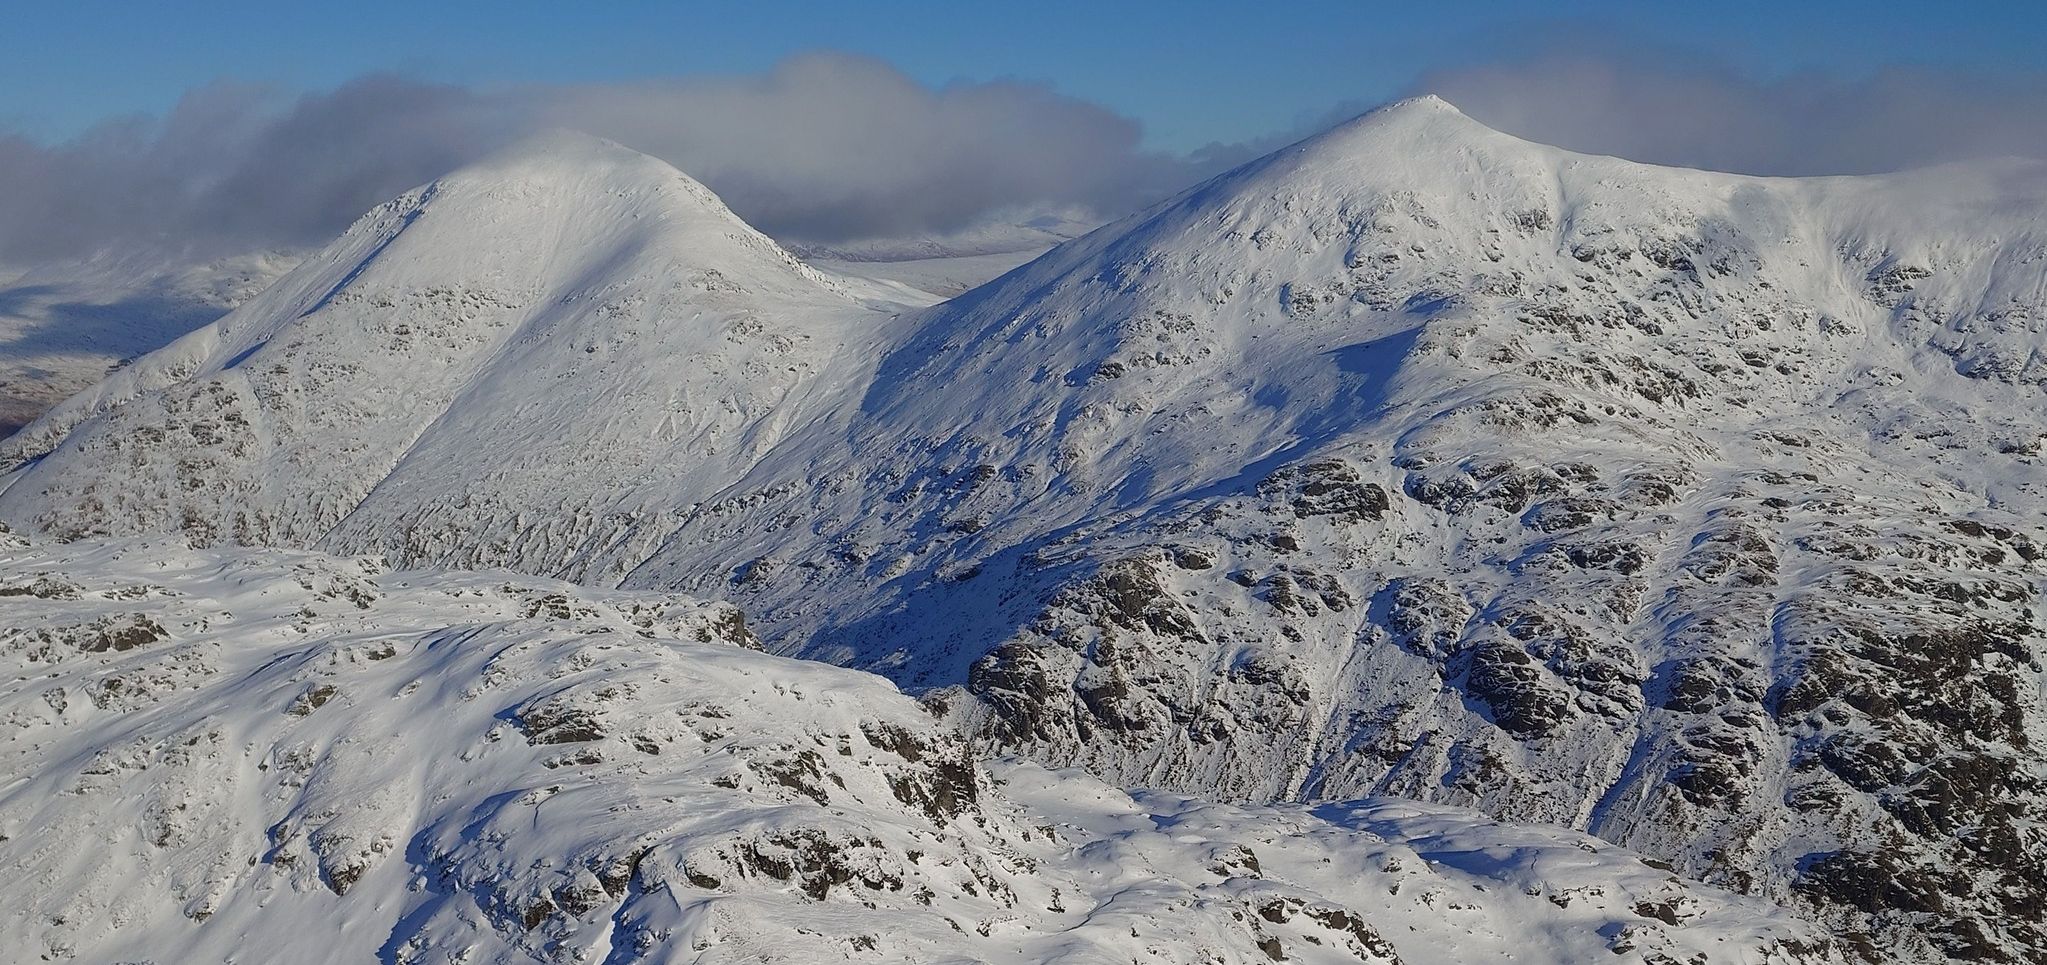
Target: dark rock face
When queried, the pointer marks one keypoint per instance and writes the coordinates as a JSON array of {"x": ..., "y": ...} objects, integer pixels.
[
  {"x": 1765, "y": 665},
  {"x": 1503, "y": 678},
  {"x": 1328, "y": 488},
  {"x": 1884, "y": 688}
]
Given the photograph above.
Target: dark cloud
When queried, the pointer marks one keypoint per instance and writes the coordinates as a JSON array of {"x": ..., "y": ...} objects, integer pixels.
[
  {"x": 234, "y": 167},
  {"x": 1666, "y": 108},
  {"x": 829, "y": 148},
  {"x": 823, "y": 148},
  {"x": 307, "y": 172}
]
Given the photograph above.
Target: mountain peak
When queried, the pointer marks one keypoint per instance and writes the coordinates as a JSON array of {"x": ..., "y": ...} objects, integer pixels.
[
  {"x": 560, "y": 161},
  {"x": 563, "y": 150},
  {"x": 579, "y": 264},
  {"x": 1419, "y": 104},
  {"x": 1407, "y": 125}
]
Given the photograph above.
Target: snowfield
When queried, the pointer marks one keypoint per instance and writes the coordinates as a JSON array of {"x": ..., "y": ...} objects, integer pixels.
[
  {"x": 1701, "y": 513},
  {"x": 265, "y": 755}
]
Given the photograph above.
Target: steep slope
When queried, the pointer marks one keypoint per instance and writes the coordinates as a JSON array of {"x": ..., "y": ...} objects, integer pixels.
[
  {"x": 516, "y": 353},
  {"x": 221, "y": 754},
  {"x": 1698, "y": 511},
  {"x": 1701, "y": 511}
]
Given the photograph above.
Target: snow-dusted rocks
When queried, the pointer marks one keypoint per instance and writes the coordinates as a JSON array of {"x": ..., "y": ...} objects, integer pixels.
[
  {"x": 1700, "y": 512},
  {"x": 263, "y": 755},
  {"x": 1416, "y": 459}
]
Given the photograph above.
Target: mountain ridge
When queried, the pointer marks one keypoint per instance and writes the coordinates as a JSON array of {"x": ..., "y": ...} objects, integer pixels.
[{"x": 1412, "y": 459}]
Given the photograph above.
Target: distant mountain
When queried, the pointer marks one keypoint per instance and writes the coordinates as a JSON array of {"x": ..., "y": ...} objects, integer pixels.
[
  {"x": 996, "y": 236},
  {"x": 948, "y": 264},
  {"x": 925, "y": 281},
  {"x": 64, "y": 326},
  {"x": 1699, "y": 511}
]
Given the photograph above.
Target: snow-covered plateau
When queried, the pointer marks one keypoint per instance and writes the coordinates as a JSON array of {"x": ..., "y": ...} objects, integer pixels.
[{"x": 1697, "y": 512}]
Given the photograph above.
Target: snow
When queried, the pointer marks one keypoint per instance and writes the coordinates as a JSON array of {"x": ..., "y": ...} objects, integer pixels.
[
  {"x": 319, "y": 759},
  {"x": 942, "y": 277},
  {"x": 496, "y": 310},
  {"x": 1697, "y": 511},
  {"x": 63, "y": 326}
]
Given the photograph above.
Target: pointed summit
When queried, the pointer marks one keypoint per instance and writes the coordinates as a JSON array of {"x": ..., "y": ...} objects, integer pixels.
[
  {"x": 1422, "y": 102},
  {"x": 547, "y": 203},
  {"x": 1409, "y": 108},
  {"x": 1427, "y": 116},
  {"x": 1406, "y": 136},
  {"x": 572, "y": 165}
]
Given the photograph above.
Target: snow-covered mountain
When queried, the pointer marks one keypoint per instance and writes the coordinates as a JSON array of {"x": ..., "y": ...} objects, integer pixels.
[
  {"x": 1699, "y": 511},
  {"x": 263, "y": 755},
  {"x": 572, "y": 329}
]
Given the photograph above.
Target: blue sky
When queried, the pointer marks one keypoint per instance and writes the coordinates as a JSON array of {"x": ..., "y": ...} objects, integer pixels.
[{"x": 1191, "y": 72}]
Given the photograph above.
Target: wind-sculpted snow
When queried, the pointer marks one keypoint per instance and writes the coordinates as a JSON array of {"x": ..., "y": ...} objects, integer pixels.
[
  {"x": 215, "y": 755},
  {"x": 1700, "y": 512}
]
